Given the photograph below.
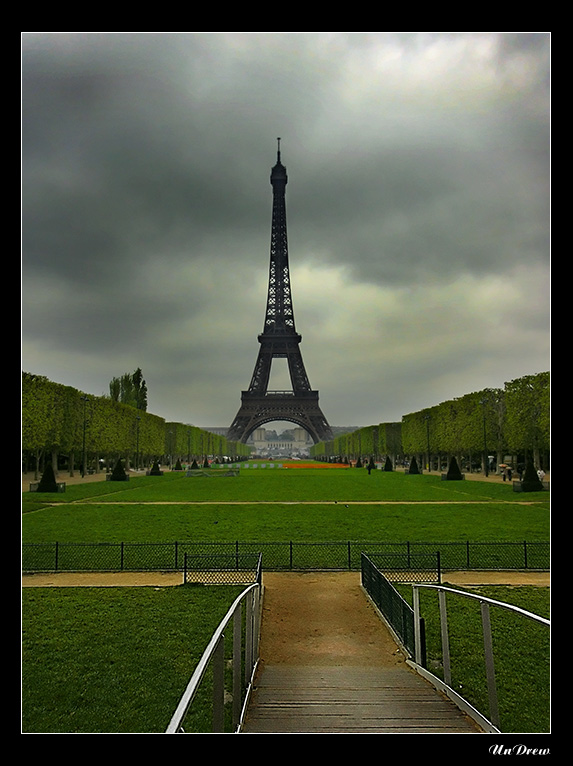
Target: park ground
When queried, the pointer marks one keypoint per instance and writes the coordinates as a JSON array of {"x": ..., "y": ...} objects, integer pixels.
[{"x": 309, "y": 616}]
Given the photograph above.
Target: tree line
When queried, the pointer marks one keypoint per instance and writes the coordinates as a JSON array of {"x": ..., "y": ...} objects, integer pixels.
[
  {"x": 479, "y": 429},
  {"x": 88, "y": 433}
]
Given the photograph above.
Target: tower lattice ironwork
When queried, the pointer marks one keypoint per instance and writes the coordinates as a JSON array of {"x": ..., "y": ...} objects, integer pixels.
[{"x": 279, "y": 340}]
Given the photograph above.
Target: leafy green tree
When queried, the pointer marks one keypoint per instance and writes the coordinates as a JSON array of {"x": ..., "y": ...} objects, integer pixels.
[
  {"x": 130, "y": 389},
  {"x": 140, "y": 390},
  {"x": 57, "y": 418},
  {"x": 527, "y": 415},
  {"x": 36, "y": 409},
  {"x": 514, "y": 419}
]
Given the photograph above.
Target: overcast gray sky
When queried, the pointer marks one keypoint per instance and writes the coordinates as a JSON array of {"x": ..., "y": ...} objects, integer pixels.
[{"x": 417, "y": 205}]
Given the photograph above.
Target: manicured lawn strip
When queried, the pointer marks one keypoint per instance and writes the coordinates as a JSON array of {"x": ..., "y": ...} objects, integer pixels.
[
  {"x": 114, "y": 660},
  {"x": 333, "y": 522},
  {"x": 521, "y": 652},
  {"x": 282, "y": 485}
]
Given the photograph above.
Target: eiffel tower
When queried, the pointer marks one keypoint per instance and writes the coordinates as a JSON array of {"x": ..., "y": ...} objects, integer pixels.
[{"x": 279, "y": 340}]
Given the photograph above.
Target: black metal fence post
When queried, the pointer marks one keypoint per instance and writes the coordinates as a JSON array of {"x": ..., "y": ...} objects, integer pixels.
[{"x": 423, "y": 661}]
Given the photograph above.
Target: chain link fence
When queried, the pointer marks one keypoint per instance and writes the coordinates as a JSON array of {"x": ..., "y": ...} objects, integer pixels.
[
  {"x": 222, "y": 569},
  {"x": 278, "y": 556},
  {"x": 417, "y": 567}
]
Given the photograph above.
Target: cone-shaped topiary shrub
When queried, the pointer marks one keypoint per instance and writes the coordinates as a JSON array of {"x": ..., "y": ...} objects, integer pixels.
[
  {"x": 206, "y": 463},
  {"x": 531, "y": 481},
  {"x": 454, "y": 473},
  {"x": 359, "y": 463},
  {"x": 388, "y": 464},
  {"x": 414, "y": 466},
  {"x": 178, "y": 466},
  {"x": 48, "y": 481},
  {"x": 194, "y": 466},
  {"x": 155, "y": 471},
  {"x": 118, "y": 473}
]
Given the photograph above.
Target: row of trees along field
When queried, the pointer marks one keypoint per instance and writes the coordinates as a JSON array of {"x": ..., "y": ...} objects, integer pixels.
[
  {"x": 86, "y": 433},
  {"x": 513, "y": 421}
]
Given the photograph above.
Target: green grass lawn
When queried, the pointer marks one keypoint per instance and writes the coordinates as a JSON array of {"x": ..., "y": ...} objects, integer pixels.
[
  {"x": 118, "y": 659},
  {"x": 271, "y": 505},
  {"x": 114, "y": 660}
]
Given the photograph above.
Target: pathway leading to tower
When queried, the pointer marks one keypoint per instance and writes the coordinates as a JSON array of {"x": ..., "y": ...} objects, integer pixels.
[{"x": 329, "y": 665}]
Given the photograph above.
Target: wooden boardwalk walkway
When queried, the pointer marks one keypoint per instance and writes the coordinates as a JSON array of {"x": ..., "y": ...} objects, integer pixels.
[
  {"x": 329, "y": 665},
  {"x": 350, "y": 700}
]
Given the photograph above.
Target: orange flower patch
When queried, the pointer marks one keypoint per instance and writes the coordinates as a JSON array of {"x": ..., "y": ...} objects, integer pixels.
[{"x": 314, "y": 465}]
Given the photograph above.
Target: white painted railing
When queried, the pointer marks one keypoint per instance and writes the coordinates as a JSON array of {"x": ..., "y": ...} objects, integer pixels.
[
  {"x": 492, "y": 724},
  {"x": 215, "y": 653}
]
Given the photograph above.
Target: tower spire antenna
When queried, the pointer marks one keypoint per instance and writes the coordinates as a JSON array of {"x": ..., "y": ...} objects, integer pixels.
[{"x": 279, "y": 149}]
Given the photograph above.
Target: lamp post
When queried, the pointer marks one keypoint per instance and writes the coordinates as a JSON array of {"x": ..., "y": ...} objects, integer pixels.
[
  {"x": 137, "y": 419},
  {"x": 84, "y": 399},
  {"x": 427, "y": 419},
  {"x": 483, "y": 402}
]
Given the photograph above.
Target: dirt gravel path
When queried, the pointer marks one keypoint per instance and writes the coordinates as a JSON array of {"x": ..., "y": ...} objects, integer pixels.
[
  {"x": 323, "y": 619},
  {"x": 164, "y": 579}
]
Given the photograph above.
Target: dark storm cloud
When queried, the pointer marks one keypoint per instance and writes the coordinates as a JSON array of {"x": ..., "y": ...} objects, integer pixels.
[{"x": 414, "y": 160}]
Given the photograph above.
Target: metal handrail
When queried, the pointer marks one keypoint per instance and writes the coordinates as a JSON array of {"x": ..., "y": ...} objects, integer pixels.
[
  {"x": 215, "y": 652},
  {"x": 487, "y": 637}
]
